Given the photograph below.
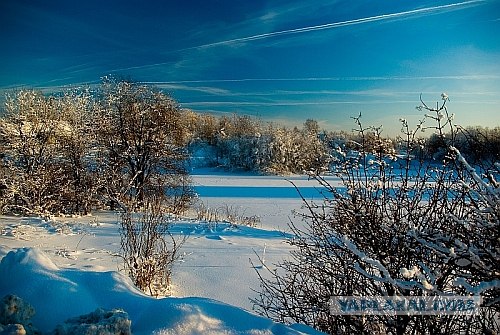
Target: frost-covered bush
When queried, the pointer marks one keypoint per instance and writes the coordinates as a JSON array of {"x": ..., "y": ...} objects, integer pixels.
[
  {"x": 15, "y": 316},
  {"x": 45, "y": 163},
  {"x": 12, "y": 329},
  {"x": 297, "y": 150},
  {"x": 71, "y": 151},
  {"x": 247, "y": 153},
  {"x": 396, "y": 226},
  {"x": 240, "y": 142},
  {"x": 99, "y": 322}
]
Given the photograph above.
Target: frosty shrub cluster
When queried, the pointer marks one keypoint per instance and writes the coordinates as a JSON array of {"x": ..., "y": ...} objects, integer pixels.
[
  {"x": 15, "y": 316},
  {"x": 81, "y": 149},
  {"x": 240, "y": 142},
  {"x": 398, "y": 226}
]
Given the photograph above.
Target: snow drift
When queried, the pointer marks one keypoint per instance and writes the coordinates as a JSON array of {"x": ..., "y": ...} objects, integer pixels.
[{"x": 60, "y": 294}]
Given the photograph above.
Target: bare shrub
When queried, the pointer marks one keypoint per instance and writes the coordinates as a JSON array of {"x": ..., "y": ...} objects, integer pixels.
[
  {"x": 235, "y": 215},
  {"x": 148, "y": 248},
  {"x": 206, "y": 214},
  {"x": 396, "y": 226}
]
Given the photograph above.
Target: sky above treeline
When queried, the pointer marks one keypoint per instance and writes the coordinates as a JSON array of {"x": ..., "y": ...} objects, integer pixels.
[{"x": 282, "y": 61}]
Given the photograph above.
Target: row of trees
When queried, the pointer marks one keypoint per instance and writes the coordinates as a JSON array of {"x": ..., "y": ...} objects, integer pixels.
[
  {"x": 72, "y": 152},
  {"x": 81, "y": 149},
  {"x": 477, "y": 144}
]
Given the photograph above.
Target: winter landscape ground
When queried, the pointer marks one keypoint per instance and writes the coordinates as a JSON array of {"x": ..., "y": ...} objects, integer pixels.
[{"x": 66, "y": 267}]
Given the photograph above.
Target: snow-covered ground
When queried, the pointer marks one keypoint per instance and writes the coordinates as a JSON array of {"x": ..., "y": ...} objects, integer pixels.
[{"x": 67, "y": 266}]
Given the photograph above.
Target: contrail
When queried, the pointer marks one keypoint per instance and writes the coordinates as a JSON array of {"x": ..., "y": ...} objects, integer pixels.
[
  {"x": 373, "y": 78},
  {"x": 339, "y": 24},
  {"x": 313, "y": 28}
]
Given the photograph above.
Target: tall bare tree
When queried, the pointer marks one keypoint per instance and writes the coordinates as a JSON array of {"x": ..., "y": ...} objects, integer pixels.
[{"x": 142, "y": 139}]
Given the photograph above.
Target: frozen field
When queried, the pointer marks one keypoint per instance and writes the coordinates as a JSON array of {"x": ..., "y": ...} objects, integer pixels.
[{"x": 216, "y": 262}]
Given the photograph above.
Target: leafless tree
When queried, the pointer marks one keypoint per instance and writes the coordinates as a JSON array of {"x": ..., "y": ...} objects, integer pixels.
[{"x": 142, "y": 141}]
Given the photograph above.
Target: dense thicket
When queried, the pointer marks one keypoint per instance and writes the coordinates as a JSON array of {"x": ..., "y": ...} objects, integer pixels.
[{"x": 46, "y": 153}]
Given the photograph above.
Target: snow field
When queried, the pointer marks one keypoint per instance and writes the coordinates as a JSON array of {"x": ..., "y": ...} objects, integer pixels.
[{"x": 67, "y": 266}]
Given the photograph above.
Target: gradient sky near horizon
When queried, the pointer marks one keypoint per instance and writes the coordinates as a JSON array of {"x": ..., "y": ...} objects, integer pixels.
[{"x": 282, "y": 60}]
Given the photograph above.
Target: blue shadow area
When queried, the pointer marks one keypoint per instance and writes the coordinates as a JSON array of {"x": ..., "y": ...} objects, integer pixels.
[{"x": 308, "y": 193}]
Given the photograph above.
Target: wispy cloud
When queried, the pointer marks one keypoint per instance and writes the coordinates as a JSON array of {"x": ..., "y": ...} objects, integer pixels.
[
  {"x": 291, "y": 103},
  {"x": 333, "y": 25},
  {"x": 241, "y": 104},
  {"x": 368, "y": 78},
  {"x": 180, "y": 87},
  {"x": 301, "y": 30}
]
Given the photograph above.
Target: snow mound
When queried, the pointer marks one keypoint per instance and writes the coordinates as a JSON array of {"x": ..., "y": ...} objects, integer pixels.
[
  {"x": 30, "y": 257},
  {"x": 61, "y": 294}
]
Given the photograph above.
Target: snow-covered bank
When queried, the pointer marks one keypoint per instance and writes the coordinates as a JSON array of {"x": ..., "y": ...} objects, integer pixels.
[{"x": 59, "y": 294}]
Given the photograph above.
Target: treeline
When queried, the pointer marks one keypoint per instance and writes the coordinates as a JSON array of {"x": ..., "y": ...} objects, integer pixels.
[
  {"x": 477, "y": 144},
  {"x": 242, "y": 142}
]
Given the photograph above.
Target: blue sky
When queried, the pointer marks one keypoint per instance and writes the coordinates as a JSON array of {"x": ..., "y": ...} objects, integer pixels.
[{"x": 282, "y": 60}]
